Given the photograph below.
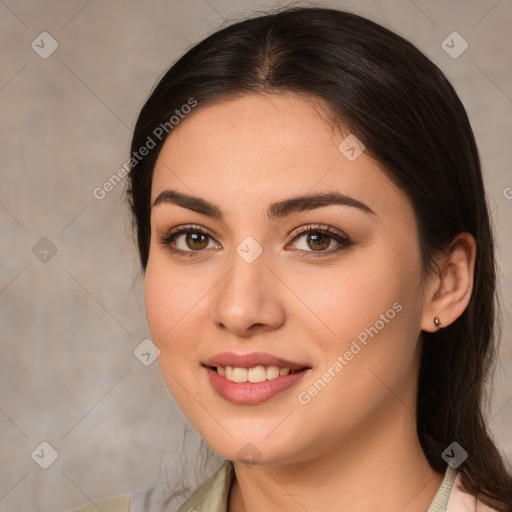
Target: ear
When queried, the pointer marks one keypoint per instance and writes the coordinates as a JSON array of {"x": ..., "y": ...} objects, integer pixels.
[{"x": 450, "y": 287}]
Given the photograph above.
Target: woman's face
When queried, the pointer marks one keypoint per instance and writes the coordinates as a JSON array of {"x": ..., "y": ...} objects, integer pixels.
[{"x": 339, "y": 310}]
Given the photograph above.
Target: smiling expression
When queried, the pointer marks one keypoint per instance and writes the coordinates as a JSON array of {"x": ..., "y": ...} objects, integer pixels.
[{"x": 250, "y": 277}]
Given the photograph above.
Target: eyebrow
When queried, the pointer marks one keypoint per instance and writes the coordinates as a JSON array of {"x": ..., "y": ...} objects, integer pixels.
[{"x": 275, "y": 210}]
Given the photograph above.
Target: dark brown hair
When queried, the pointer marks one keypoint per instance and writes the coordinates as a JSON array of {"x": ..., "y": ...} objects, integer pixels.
[{"x": 401, "y": 106}]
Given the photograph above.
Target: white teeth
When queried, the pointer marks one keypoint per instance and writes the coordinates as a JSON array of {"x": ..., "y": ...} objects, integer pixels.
[
  {"x": 254, "y": 375},
  {"x": 257, "y": 374},
  {"x": 240, "y": 374},
  {"x": 272, "y": 372}
]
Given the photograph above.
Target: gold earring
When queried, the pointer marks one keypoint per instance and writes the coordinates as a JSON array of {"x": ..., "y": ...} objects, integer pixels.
[{"x": 437, "y": 322}]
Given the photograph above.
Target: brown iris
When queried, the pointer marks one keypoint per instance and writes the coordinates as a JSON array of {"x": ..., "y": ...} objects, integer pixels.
[
  {"x": 196, "y": 240},
  {"x": 320, "y": 241}
]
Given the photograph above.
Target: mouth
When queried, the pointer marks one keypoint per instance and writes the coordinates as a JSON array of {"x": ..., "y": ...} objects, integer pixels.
[{"x": 252, "y": 378}]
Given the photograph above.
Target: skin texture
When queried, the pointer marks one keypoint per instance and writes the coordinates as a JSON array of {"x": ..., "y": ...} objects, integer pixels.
[{"x": 354, "y": 445}]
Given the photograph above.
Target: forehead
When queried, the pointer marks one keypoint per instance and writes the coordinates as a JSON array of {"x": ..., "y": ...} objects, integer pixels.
[
  {"x": 257, "y": 149},
  {"x": 233, "y": 128}
]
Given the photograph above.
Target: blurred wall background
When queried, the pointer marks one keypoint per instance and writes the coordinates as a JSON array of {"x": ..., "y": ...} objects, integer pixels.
[{"x": 73, "y": 77}]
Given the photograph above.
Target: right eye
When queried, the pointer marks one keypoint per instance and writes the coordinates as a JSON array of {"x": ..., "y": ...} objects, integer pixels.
[{"x": 187, "y": 240}]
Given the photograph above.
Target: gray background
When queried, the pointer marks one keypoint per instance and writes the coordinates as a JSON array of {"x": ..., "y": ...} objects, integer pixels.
[{"x": 69, "y": 325}]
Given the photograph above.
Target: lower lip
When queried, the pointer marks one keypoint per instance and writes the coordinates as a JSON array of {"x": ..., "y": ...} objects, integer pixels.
[{"x": 249, "y": 392}]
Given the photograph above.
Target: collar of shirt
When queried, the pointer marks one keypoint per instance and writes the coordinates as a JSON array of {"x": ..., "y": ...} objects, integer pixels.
[{"x": 213, "y": 494}]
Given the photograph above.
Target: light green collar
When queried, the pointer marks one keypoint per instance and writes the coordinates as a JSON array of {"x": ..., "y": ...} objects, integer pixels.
[
  {"x": 114, "y": 504},
  {"x": 442, "y": 496},
  {"x": 213, "y": 494}
]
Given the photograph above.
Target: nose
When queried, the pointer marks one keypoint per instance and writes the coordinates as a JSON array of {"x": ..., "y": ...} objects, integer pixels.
[{"x": 248, "y": 301}]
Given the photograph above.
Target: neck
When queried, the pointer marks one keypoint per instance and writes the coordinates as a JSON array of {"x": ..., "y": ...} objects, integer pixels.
[{"x": 380, "y": 467}]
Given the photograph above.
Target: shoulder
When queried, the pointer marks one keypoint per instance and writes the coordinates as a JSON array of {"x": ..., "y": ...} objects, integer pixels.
[
  {"x": 114, "y": 504},
  {"x": 462, "y": 501}
]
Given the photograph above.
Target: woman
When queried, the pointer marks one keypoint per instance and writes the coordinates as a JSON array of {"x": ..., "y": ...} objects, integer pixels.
[{"x": 319, "y": 269}]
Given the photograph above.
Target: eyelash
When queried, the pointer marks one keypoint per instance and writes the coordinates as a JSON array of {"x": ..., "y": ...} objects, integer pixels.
[{"x": 344, "y": 241}]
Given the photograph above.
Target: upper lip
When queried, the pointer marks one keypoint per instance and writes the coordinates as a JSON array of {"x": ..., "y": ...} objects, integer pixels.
[{"x": 251, "y": 360}]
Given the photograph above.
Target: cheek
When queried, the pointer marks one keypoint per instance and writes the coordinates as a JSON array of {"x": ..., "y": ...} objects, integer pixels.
[
  {"x": 359, "y": 295},
  {"x": 158, "y": 300},
  {"x": 171, "y": 301},
  {"x": 372, "y": 308}
]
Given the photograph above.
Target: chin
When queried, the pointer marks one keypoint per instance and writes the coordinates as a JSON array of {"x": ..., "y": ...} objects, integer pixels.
[{"x": 255, "y": 450}]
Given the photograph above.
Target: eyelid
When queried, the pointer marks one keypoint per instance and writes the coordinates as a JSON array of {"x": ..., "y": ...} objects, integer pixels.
[{"x": 318, "y": 227}]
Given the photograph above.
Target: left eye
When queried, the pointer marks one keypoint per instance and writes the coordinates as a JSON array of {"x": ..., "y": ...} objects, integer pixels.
[
  {"x": 319, "y": 239},
  {"x": 315, "y": 241}
]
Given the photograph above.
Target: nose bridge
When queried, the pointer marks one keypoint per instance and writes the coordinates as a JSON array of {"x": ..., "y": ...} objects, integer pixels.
[
  {"x": 245, "y": 297},
  {"x": 244, "y": 282}
]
